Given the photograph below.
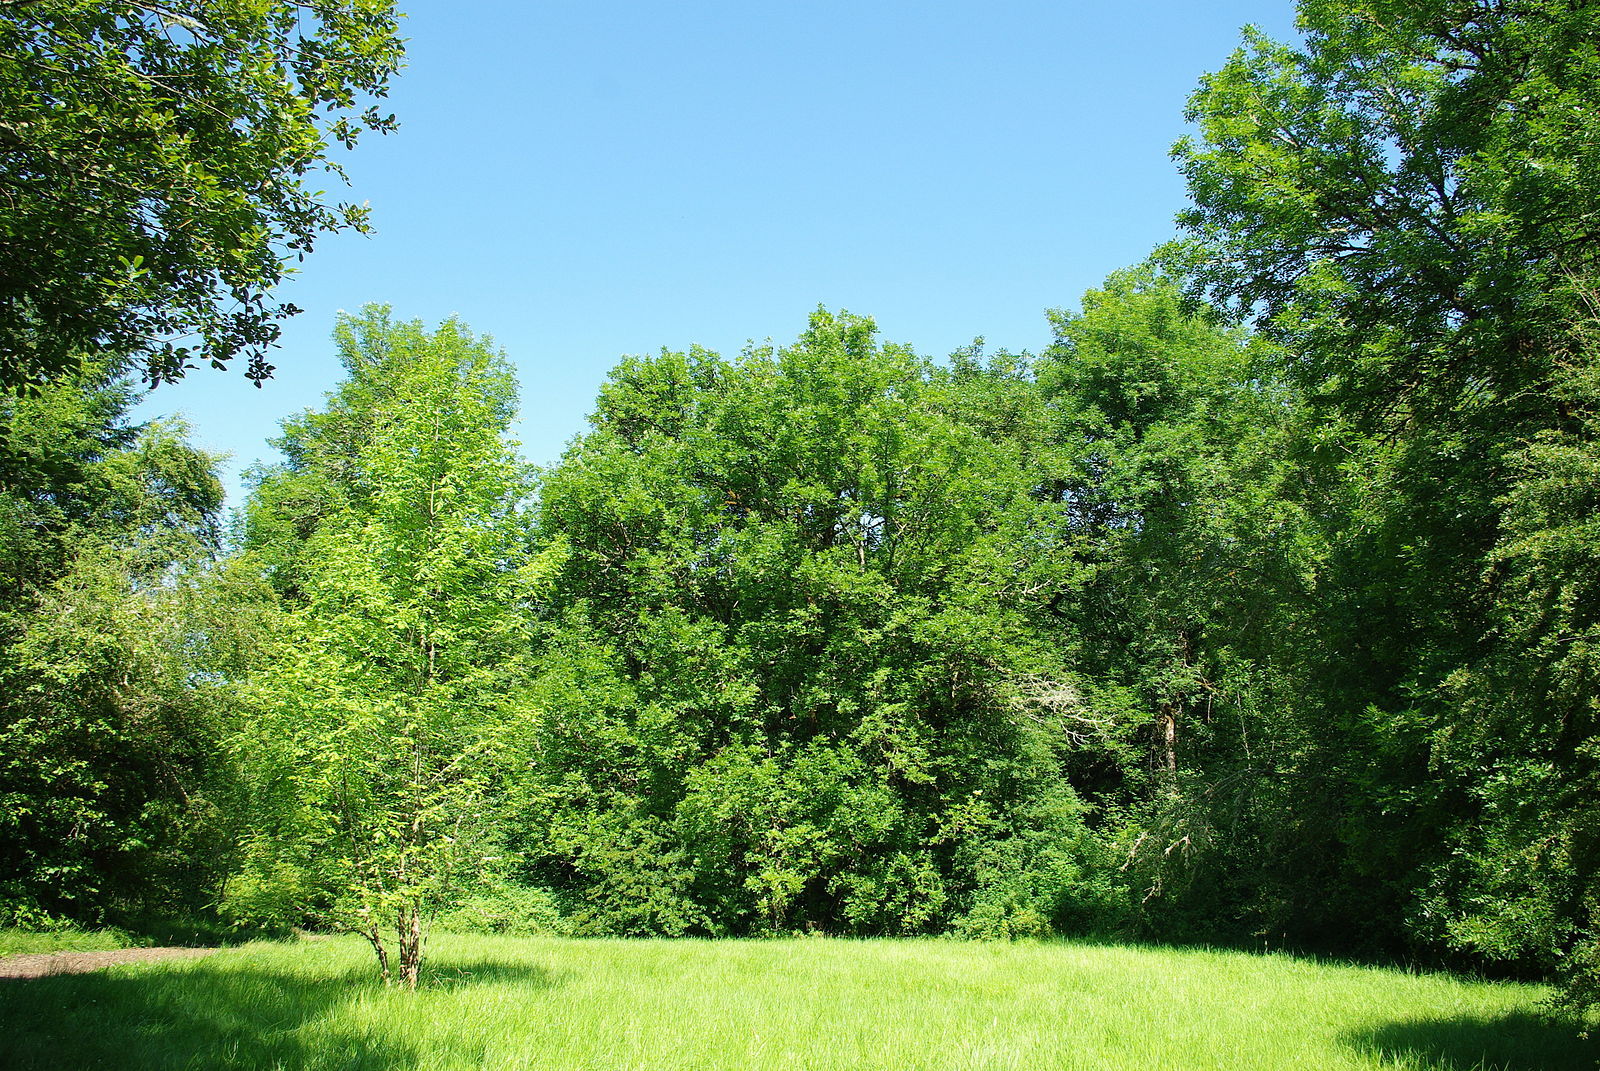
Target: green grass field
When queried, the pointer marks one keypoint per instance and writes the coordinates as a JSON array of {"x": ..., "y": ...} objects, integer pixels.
[
  {"x": 16, "y": 941},
  {"x": 656, "y": 1005}
]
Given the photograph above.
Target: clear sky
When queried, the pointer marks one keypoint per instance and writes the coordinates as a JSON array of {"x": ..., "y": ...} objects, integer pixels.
[{"x": 587, "y": 180}]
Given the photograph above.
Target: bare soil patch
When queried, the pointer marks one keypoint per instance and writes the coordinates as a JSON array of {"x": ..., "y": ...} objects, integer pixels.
[{"x": 39, "y": 965}]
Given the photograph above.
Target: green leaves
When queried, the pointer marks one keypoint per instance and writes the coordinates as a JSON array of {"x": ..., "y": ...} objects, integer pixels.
[
  {"x": 794, "y": 588},
  {"x": 396, "y": 538},
  {"x": 112, "y": 643},
  {"x": 159, "y": 169},
  {"x": 1401, "y": 204}
]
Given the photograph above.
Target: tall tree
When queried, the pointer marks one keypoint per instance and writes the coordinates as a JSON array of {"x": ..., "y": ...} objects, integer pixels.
[
  {"x": 800, "y": 674},
  {"x": 397, "y": 691},
  {"x": 1404, "y": 199},
  {"x": 1408, "y": 203},
  {"x": 1173, "y": 428},
  {"x": 158, "y": 169}
]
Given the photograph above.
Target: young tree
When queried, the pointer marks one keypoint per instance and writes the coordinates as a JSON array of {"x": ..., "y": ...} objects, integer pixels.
[
  {"x": 157, "y": 170},
  {"x": 382, "y": 718}
]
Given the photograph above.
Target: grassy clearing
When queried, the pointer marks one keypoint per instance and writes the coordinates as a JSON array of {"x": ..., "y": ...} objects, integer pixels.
[
  {"x": 14, "y": 941},
  {"x": 657, "y": 1005}
]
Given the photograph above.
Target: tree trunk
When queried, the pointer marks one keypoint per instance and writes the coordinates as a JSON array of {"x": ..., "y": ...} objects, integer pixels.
[
  {"x": 382, "y": 953},
  {"x": 1167, "y": 720},
  {"x": 411, "y": 938},
  {"x": 1167, "y": 742}
]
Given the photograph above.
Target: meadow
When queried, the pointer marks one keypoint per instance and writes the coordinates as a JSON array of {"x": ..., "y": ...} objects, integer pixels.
[{"x": 547, "y": 1003}]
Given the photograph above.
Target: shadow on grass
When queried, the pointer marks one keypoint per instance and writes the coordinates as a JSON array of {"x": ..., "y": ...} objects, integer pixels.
[
  {"x": 219, "y": 1014},
  {"x": 1516, "y": 1042},
  {"x": 453, "y": 975}
]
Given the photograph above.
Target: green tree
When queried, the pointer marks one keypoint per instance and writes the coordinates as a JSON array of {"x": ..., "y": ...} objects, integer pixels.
[
  {"x": 1520, "y": 884},
  {"x": 1174, "y": 430},
  {"x": 1403, "y": 199},
  {"x": 383, "y": 718},
  {"x": 797, "y": 671},
  {"x": 158, "y": 167},
  {"x": 111, "y": 788},
  {"x": 1408, "y": 204}
]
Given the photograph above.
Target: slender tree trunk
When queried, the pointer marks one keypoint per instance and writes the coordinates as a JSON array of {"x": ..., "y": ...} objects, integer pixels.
[
  {"x": 1167, "y": 721},
  {"x": 411, "y": 938},
  {"x": 1167, "y": 743},
  {"x": 382, "y": 953}
]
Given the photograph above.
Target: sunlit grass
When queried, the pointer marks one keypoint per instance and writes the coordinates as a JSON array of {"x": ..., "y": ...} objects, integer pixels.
[
  {"x": 15, "y": 941},
  {"x": 554, "y": 1004}
]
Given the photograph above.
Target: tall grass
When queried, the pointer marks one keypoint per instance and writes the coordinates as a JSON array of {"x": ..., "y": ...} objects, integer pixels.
[
  {"x": 15, "y": 940},
  {"x": 662, "y": 1005}
]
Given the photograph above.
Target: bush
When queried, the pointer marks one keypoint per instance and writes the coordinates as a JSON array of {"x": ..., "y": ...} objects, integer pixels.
[{"x": 506, "y": 908}]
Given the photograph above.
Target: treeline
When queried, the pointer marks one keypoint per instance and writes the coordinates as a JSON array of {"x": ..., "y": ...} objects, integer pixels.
[{"x": 1261, "y": 607}]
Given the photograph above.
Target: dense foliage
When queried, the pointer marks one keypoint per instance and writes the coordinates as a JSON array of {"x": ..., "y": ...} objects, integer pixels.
[
  {"x": 1407, "y": 206},
  {"x": 108, "y": 729},
  {"x": 798, "y": 670},
  {"x": 1263, "y": 606},
  {"x": 157, "y": 170}
]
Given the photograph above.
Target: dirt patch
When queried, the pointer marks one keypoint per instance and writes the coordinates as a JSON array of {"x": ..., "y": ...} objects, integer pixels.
[{"x": 42, "y": 964}]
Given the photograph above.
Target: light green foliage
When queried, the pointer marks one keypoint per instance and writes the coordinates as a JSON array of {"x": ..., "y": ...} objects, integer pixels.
[
  {"x": 794, "y": 678},
  {"x": 384, "y": 715},
  {"x": 43, "y": 936},
  {"x": 494, "y": 904},
  {"x": 494, "y": 1004},
  {"x": 159, "y": 165},
  {"x": 1174, "y": 429},
  {"x": 75, "y": 470}
]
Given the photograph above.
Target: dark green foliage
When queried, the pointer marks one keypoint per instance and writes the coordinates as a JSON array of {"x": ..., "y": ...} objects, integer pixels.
[
  {"x": 1521, "y": 883},
  {"x": 1195, "y": 564},
  {"x": 157, "y": 170},
  {"x": 108, "y": 730},
  {"x": 799, "y": 671},
  {"x": 1407, "y": 206}
]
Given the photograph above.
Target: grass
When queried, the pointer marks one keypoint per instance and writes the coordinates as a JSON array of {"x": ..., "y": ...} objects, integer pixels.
[
  {"x": 16, "y": 941},
  {"x": 553, "y": 1004}
]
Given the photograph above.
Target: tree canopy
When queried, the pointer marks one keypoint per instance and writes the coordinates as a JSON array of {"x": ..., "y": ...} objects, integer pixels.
[
  {"x": 157, "y": 171},
  {"x": 382, "y": 715}
]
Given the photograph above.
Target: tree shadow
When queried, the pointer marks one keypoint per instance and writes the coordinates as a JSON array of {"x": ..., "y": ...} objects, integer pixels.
[
  {"x": 218, "y": 1014},
  {"x": 1520, "y": 1041},
  {"x": 455, "y": 975}
]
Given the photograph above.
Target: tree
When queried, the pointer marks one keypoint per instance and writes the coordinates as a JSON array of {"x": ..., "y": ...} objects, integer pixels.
[
  {"x": 109, "y": 644},
  {"x": 1173, "y": 428},
  {"x": 1404, "y": 200},
  {"x": 382, "y": 719},
  {"x": 157, "y": 164},
  {"x": 1522, "y": 881},
  {"x": 798, "y": 669},
  {"x": 1409, "y": 205}
]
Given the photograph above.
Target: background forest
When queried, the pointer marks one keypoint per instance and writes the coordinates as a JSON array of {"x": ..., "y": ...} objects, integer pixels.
[{"x": 1261, "y": 608}]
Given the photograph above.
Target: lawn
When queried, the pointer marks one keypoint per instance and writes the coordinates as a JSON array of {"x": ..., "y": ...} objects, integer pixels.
[{"x": 553, "y": 1004}]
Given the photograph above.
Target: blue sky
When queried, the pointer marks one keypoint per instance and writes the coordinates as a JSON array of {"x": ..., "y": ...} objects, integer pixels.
[{"x": 587, "y": 180}]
